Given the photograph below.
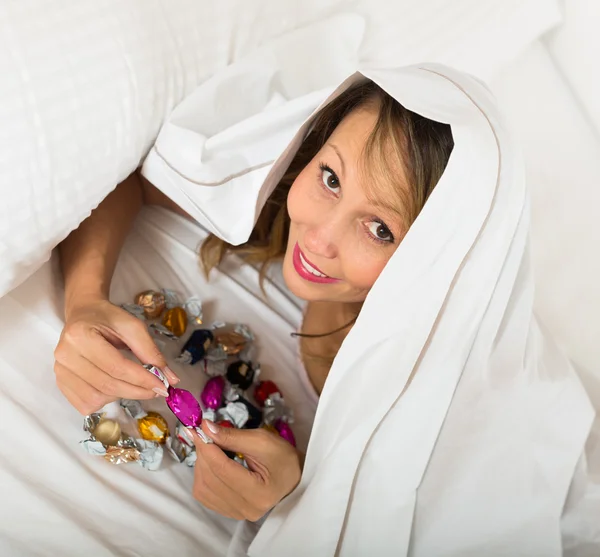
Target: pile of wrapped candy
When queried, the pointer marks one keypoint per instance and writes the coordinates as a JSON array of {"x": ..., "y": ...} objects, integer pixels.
[{"x": 232, "y": 397}]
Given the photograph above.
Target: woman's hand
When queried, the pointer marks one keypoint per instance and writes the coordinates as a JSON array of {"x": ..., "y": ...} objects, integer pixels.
[
  {"x": 228, "y": 488},
  {"x": 90, "y": 370}
]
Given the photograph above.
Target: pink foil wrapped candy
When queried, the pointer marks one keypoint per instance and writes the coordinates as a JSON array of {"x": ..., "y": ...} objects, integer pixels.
[
  {"x": 285, "y": 431},
  {"x": 212, "y": 394},
  {"x": 183, "y": 404}
]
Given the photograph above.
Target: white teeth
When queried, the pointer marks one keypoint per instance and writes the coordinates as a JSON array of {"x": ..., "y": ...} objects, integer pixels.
[{"x": 310, "y": 268}]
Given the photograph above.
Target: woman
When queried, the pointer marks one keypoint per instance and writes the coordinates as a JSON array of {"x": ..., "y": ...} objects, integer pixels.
[
  {"x": 423, "y": 325},
  {"x": 388, "y": 160}
]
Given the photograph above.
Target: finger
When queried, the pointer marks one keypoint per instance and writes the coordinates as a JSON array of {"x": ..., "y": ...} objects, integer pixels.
[
  {"x": 221, "y": 498},
  {"x": 81, "y": 341},
  {"x": 104, "y": 356},
  {"x": 229, "y": 472},
  {"x": 217, "y": 503},
  {"x": 80, "y": 394},
  {"x": 255, "y": 442},
  {"x": 135, "y": 334},
  {"x": 74, "y": 399},
  {"x": 110, "y": 386}
]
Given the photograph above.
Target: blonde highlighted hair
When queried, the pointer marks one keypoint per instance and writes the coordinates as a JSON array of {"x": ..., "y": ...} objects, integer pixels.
[{"x": 400, "y": 139}]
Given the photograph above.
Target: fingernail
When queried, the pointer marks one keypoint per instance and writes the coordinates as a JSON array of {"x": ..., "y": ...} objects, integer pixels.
[
  {"x": 161, "y": 392},
  {"x": 212, "y": 427},
  {"x": 173, "y": 379},
  {"x": 205, "y": 438}
]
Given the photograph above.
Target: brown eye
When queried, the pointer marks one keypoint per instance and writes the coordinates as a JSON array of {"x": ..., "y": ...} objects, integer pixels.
[
  {"x": 380, "y": 232},
  {"x": 329, "y": 179}
]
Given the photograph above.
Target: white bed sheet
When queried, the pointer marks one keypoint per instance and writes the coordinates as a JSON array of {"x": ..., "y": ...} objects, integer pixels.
[
  {"x": 563, "y": 172},
  {"x": 572, "y": 46},
  {"x": 58, "y": 500}
]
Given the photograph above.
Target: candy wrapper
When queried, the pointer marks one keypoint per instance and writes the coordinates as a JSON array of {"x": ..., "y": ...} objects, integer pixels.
[
  {"x": 242, "y": 413},
  {"x": 263, "y": 390},
  {"x": 196, "y": 347},
  {"x": 166, "y": 306},
  {"x": 152, "y": 303},
  {"x": 176, "y": 449},
  {"x": 151, "y": 425},
  {"x": 214, "y": 368},
  {"x": 284, "y": 429},
  {"x": 175, "y": 320},
  {"x": 119, "y": 449},
  {"x": 225, "y": 354},
  {"x": 275, "y": 409},
  {"x": 193, "y": 308},
  {"x": 212, "y": 394},
  {"x": 184, "y": 443},
  {"x": 237, "y": 342},
  {"x": 277, "y": 416},
  {"x": 182, "y": 403},
  {"x": 240, "y": 374}
]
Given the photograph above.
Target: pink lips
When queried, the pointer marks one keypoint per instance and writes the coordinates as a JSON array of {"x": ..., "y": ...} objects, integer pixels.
[{"x": 305, "y": 273}]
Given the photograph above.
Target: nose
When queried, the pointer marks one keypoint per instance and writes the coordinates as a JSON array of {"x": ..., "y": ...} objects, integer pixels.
[{"x": 320, "y": 240}]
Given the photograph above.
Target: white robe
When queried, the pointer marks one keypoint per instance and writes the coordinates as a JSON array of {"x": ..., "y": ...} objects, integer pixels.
[{"x": 450, "y": 424}]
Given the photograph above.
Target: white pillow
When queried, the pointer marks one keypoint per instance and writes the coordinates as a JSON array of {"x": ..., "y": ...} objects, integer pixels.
[
  {"x": 86, "y": 85},
  {"x": 572, "y": 46}
]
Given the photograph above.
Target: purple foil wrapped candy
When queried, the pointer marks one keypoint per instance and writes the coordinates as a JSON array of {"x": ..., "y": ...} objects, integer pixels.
[
  {"x": 187, "y": 410},
  {"x": 285, "y": 431},
  {"x": 212, "y": 394},
  {"x": 183, "y": 404}
]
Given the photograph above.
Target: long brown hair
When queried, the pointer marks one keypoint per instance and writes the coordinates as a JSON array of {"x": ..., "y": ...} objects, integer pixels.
[{"x": 399, "y": 139}]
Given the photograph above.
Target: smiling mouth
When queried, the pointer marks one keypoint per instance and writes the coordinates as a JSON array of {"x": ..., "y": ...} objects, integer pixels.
[
  {"x": 312, "y": 270},
  {"x": 307, "y": 270}
]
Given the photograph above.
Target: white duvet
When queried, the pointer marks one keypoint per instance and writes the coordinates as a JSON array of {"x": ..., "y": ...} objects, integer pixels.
[{"x": 55, "y": 499}]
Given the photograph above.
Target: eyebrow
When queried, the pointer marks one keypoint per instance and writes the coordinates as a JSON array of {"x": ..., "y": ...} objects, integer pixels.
[
  {"x": 388, "y": 206},
  {"x": 380, "y": 204},
  {"x": 337, "y": 152}
]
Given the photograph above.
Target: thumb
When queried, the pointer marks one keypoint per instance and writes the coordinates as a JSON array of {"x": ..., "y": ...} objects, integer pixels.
[
  {"x": 245, "y": 441},
  {"x": 144, "y": 348}
]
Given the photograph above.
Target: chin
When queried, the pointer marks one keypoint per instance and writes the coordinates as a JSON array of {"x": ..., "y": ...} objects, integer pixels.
[{"x": 296, "y": 285}]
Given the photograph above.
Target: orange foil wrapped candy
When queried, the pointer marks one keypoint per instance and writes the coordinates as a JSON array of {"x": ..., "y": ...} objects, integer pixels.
[
  {"x": 176, "y": 320},
  {"x": 153, "y": 303},
  {"x": 153, "y": 427}
]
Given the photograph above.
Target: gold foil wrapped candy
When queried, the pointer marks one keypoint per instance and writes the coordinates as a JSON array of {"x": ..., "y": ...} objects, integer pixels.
[
  {"x": 108, "y": 432},
  {"x": 153, "y": 427},
  {"x": 121, "y": 455},
  {"x": 232, "y": 343},
  {"x": 176, "y": 320},
  {"x": 153, "y": 303}
]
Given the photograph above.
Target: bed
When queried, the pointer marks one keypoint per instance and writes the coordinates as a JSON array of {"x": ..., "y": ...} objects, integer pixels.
[{"x": 57, "y": 500}]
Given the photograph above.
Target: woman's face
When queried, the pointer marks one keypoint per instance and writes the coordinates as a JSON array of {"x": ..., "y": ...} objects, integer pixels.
[{"x": 339, "y": 240}]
